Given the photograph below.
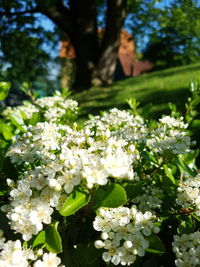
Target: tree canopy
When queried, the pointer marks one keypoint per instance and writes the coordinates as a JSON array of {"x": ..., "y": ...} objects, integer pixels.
[{"x": 176, "y": 39}]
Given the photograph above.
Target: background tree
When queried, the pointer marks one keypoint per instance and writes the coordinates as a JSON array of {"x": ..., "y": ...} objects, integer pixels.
[
  {"x": 176, "y": 38},
  {"x": 174, "y": 27},
  {"x": 23, "y": 57},
  {"x": 78, "y": 19}
]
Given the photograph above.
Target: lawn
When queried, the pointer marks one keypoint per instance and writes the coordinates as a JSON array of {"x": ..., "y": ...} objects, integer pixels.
[{"x": 158, "y": 88}]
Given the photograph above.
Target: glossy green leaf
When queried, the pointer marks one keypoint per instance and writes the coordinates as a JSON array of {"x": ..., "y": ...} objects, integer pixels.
[
  {"x": 7, "y": 131},
  {"x": 18, "y": 121},
  {"x": 34, "y": 119},
  {"x": 73, "y": 203},
  {"x": 40, "y": 239},
  {"x": 190, "y": 157},
  {"x": 111, "y": 196},
  {"x": 4, "y": 90},
  {"x": 184, "y": 167},
  {"x": 169, "y": 175},
  {"x": 53, "y": 240},
  {"x": 196, "y": 217},
  {"x": 133, "y": 190},
  {"x": 148, "y": 156},
  {"x": 155, "y": 245}
]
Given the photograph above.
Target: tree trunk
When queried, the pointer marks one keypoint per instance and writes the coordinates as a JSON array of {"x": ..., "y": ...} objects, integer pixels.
[
  {"x": 116, "y": 13},
  {"x": 79, "y": 22},
  {"x": 85, "y": 40}
]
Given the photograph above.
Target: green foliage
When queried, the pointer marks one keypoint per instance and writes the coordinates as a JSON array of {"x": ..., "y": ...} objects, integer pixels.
[
  {"x": 177, "y": 31},
  {"x": 155, "y": 245},
  {"x": 39, "y": 239},
  {"x": 53, "y": 241},
  {"x": 4, "y": 89},
  {"x": 111, "y": 196},
  {"x": 74, "y": 202},
  {"x": 139, "y": 209}
]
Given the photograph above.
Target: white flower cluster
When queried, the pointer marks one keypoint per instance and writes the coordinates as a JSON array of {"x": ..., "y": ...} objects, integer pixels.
[
  {"x": 172, "y": 122},
  {"x": 124, "y": 233},
  {"x": 27, "y": 212},
  {"x": 25, "y": 111},
  {"x": 121, "y": 123},
  {"x": 150, "y": 199},
  {"x": 61, "y": 158},
  {"x": 55, "y": 107},
  {"x": 188, "y": 195},
  {"x": 39, "y": 142},
  {"x": 13, "y": 254},
  {"x": 74, "y": 153},
  {"x": 170, "y": 135},
  {"x": 187, "y": 249}
]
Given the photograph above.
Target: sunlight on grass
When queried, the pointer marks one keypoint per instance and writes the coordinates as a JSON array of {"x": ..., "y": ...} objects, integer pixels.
[{"x": 158, "y": 88}]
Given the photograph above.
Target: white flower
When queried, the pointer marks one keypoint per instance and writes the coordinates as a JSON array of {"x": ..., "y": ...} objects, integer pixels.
[
  {"x": 187, "y": 249},
  {"x": 123, "y": 233},
  {"x": 48, "y": 260},
  {"x": 14, "y": 255},
  {"x": 94, "y": 172},
  {"x": 188, "y": 194}
]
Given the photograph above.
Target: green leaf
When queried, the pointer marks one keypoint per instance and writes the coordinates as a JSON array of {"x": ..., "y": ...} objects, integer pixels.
[
  {"x": 148, "y": 156},
  {"x": 26, "y": 88},
  {"x": 73, "y": 203},
  {"x": 145, "y": 110},
  {"x": 133, "y": 190},
  {"x": 184, "y": 167},
  {"x": 34, "y": 119},
  {"x": 190, "y": 157},
  {"x": 53, "y": 240},
  {"x": 40, "y": 239},
  {"x": 111, "y": 196},
  {"x": 196, "y": 217},
  {"x": 169, "y": 174},
  {"x": 195, "y": 124},
  {"x": 185, "y": 227},
  {"x": 18, "y": 121},
  {"x": 133, "y": 103},
  {"x": 155, "y": 245},
  {"x": 7, "y": 131},
  {"x": 4, "y": 89}
]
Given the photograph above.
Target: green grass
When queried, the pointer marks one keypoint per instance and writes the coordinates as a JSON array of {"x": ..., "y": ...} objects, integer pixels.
[{"x": 158, "y": 88}]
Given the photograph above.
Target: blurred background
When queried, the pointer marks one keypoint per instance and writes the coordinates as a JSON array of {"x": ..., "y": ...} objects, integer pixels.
[{"x": 102, "y": 51}]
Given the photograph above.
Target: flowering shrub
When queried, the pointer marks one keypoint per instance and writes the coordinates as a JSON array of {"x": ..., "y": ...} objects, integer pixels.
[{"x": 118, "y": 190}]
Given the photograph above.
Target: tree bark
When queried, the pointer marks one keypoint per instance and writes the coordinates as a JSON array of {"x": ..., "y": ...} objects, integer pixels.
[
  {"x": 116, "y": 13},
  {"x": 85, "y": 40},
  {"x": 79, "y": 22}
]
